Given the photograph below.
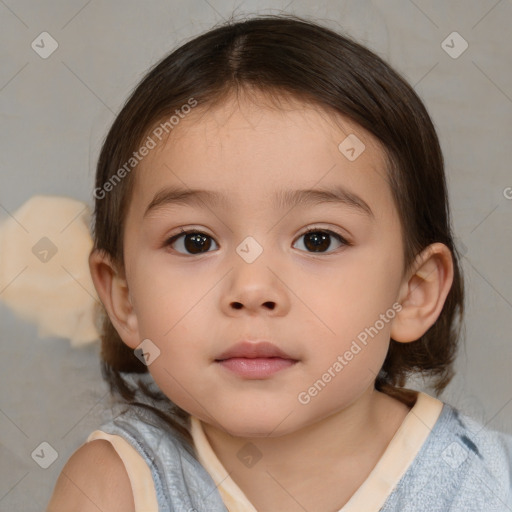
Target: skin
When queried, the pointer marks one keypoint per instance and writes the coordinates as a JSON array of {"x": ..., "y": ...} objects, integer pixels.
[{"x": 310, "y": 304}]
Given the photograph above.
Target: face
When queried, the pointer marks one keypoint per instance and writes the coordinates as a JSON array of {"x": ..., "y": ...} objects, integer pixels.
[{"x": 316, "y": 278}]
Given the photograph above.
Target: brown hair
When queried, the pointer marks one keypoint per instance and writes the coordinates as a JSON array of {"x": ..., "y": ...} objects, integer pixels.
[{"x": 291, "y": 56}]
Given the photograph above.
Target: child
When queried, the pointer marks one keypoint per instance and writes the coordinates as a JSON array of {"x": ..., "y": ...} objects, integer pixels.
[{"x": 272, "y": 245}]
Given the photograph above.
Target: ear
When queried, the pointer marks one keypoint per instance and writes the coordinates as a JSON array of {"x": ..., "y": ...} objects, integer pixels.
[
  {"x": 423, "y": 293},
  {"x": 112, "y": 289}
]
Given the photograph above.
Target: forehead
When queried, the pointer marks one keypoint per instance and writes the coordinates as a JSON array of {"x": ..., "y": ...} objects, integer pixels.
[{"x": 257, "y": 149}]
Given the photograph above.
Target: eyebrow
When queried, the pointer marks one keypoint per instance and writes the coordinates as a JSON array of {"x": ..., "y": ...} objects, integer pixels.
[{"x": 283, "y": 198}]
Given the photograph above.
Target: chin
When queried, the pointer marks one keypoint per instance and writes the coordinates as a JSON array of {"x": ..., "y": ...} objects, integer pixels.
[{"x": 262, "y": 424}]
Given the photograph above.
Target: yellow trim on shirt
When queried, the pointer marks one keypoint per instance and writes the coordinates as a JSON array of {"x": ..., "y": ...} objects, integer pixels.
[
  {"x": 143, "y": 486},
  {"x": 232, "y": 496}
]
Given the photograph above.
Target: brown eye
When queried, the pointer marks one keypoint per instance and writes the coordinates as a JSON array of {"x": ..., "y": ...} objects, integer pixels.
[
  {"x": 191, "y": 242},
  {"x": 317, "y": 240}
]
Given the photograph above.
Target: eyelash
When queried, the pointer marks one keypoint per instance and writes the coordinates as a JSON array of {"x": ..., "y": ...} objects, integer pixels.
[{"x": 185, "y": 232}]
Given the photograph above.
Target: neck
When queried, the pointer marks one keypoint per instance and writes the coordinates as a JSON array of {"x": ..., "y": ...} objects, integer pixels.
[{"x": 348, "y": 442}]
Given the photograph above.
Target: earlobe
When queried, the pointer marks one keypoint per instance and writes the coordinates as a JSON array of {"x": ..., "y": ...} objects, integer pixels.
[
  {"x": 113, "y": 292},
  {"x": 423, "y": 293}
]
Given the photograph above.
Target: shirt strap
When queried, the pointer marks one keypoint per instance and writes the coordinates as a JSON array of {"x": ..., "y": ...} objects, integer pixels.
[{"x": 143, "y": 486}]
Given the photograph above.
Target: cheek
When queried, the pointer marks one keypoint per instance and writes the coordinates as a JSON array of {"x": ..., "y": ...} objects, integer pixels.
[
  {"x": 345, "y": 299},
  {"x": 350, "y": 315},
  {"x": 164, "y": 296},
  {"x": 172, "y": 310},
  {"x": 341, "y": 370}
]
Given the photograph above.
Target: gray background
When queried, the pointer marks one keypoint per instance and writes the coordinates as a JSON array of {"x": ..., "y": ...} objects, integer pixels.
[{"x": 56, "y": 111}]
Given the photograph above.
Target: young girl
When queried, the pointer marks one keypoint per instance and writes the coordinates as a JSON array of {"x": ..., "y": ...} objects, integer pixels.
[{"x": 272, "y": 245}]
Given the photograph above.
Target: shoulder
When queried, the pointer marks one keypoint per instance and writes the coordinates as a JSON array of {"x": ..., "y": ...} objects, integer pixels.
[
  {"x": 481, "y": 441},
  {"x": 491, "y": 450},
  {"x": 482, "y": 455},
  {"x": 94, "y": 478},
  {"x": 462, "y": 466}
]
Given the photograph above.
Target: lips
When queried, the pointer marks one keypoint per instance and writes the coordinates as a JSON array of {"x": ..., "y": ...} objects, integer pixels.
[
  {"x": 253, "y": 350},
  {"x": 255, "y": 360}
]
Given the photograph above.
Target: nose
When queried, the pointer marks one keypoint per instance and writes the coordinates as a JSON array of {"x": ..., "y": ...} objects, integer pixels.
[{"x": 255, "y": 288}]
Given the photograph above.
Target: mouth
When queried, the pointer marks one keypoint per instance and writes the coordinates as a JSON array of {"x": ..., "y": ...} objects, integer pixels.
[{"x": 255, "y": 360}]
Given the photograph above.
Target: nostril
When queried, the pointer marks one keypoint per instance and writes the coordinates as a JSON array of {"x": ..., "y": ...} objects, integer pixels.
[{"x": 269, "y": 305}]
